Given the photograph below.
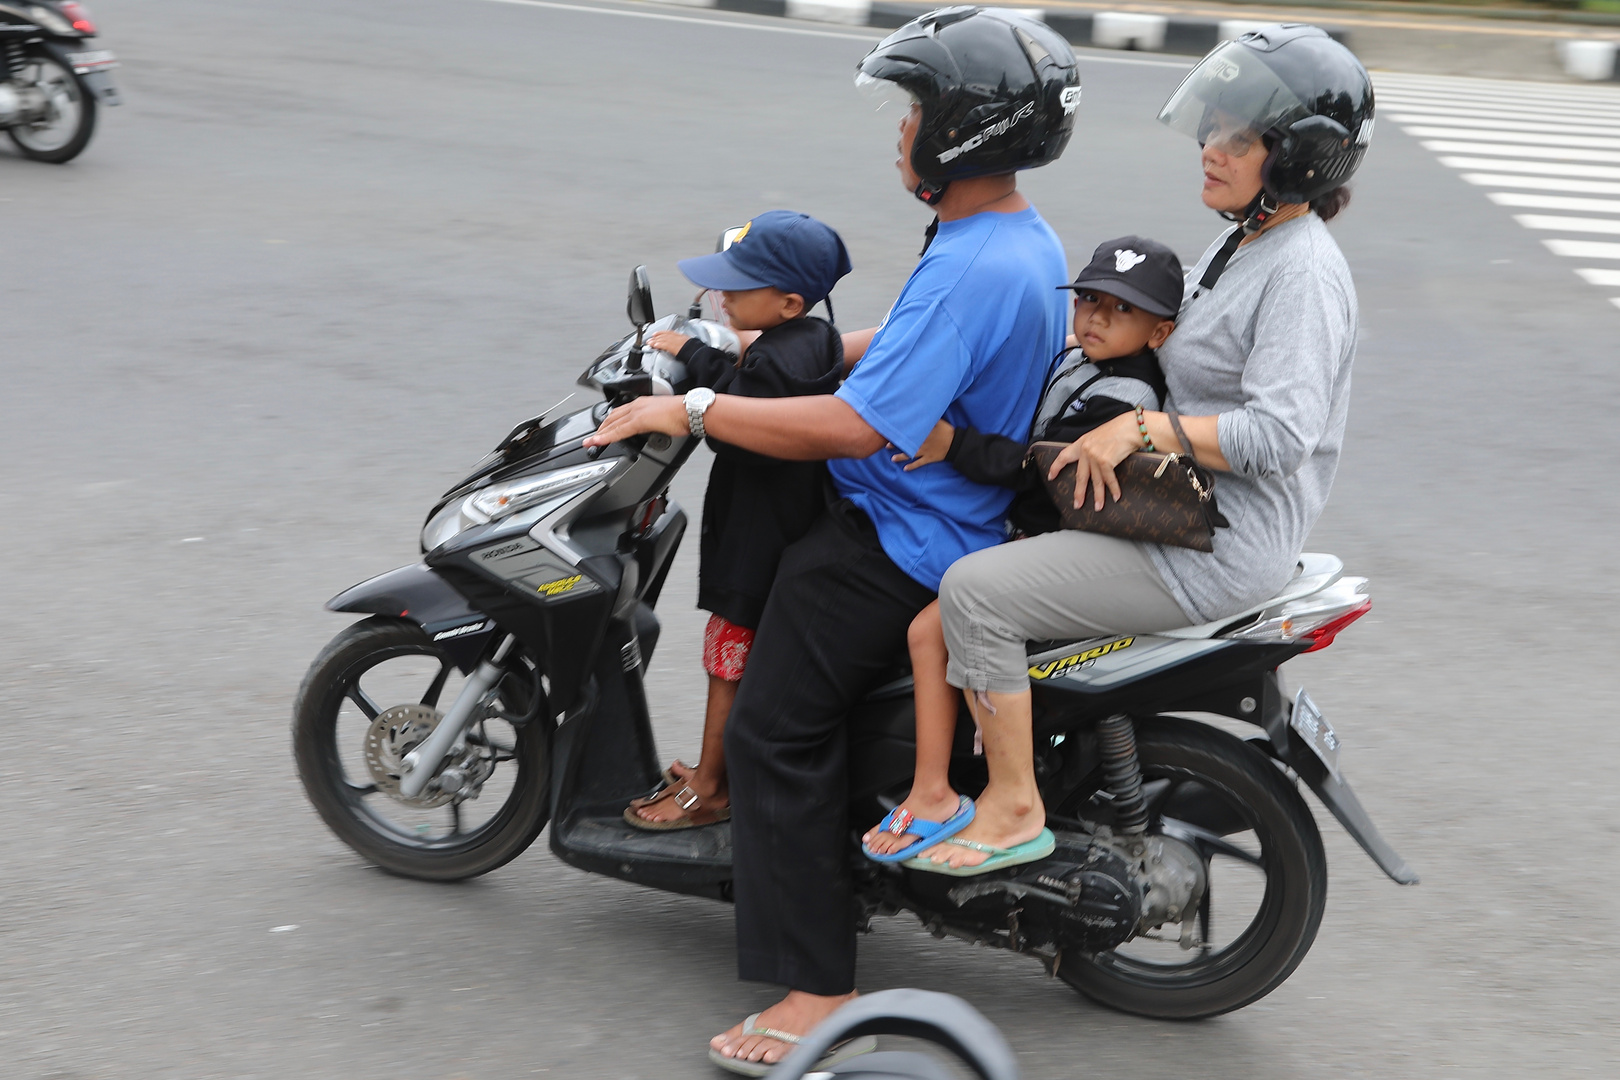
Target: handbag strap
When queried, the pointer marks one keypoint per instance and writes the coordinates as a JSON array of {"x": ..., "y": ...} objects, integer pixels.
[{"x": 1175, "y": 423}]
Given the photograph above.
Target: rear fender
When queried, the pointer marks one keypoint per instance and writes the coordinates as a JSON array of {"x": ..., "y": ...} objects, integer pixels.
[
  {"x": 1276, "y": 707},
  {"x": 420, "y": 594}
]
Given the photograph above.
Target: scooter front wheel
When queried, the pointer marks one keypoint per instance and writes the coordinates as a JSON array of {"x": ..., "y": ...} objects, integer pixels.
[{"x": 371, "y": 696}]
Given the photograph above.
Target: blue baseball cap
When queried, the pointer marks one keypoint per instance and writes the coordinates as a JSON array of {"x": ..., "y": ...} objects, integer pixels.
[{"x": 779, "y": 249}]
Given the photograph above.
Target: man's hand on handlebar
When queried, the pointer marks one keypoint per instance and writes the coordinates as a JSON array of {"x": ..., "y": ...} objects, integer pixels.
[{"x": 640, "y": 417}]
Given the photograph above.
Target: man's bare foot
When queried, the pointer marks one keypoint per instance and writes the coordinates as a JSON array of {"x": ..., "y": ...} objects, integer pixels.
[
  {"x": 796, "y": 1014},
  {"x": 711, "y": 796},
  {"x": 999, "y": 821},
  {"x": 936, "y": 806}
]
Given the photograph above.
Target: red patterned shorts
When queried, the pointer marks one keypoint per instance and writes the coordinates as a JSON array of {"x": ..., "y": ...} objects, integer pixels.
[{"x": 725, "y": 649}]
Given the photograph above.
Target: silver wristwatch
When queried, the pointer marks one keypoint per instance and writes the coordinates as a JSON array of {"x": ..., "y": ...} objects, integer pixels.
[{"x": 697, "y": 403}]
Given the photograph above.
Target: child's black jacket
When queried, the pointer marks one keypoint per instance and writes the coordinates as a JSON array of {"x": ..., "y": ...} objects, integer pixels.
[
  {"x": 755, "y": 506},
  {"x": 995, "y": 459}
]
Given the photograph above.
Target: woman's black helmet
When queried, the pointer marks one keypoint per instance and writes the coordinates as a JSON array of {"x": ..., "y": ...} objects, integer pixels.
[
  {"x": 1304, "y": 93},
  {"x": 998, "y": 92}
]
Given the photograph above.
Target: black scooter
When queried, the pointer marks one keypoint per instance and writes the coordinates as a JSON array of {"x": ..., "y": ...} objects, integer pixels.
[
  {"x": 51, "y": 78},
  {"x": 532, "y": 615}
]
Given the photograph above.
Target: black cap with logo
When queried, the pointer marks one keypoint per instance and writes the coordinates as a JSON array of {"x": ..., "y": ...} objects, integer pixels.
[{"x": 1139, "y": 271}]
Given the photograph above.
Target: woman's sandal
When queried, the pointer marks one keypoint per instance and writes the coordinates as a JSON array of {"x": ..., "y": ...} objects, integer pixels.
[
  {"x": 842, "y": 1052},
  {"x": 695, "y": 814},
  {"x": 900, "y": 822},
  {"x": 1000, "y": 857}
]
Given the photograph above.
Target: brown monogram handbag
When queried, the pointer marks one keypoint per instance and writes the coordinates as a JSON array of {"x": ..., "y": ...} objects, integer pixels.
[{"x": 1163, "y": 498}]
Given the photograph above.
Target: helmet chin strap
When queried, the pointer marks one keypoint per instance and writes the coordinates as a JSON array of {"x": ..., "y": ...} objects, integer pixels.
[
  {"x": 1252, "y": 219},
  {"x": 929, "y": 192}
]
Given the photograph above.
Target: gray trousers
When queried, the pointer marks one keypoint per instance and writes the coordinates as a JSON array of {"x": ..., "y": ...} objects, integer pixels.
[{"x": 1052, "y": 587}]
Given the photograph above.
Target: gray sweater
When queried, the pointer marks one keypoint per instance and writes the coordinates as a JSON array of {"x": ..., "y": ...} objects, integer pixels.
[{"x": 1268, "y": 350}]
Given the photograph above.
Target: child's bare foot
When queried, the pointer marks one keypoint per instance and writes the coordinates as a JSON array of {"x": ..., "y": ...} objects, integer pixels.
[
  {"x": 934, "y": 806},
  {"x": 999, "y": 820}
]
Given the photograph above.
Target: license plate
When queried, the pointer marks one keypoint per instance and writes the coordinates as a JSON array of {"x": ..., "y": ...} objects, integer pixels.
[
  {"x": 1316, "y": 731},
  {"x": 98, "y": 60}
]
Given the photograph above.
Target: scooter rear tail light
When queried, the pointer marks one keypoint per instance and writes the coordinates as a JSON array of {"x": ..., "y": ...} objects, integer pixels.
[
  {"x": 1315, "y": 618},
  {"x": 78, "y": 15},
  {"x": 1323, "y": 635}
]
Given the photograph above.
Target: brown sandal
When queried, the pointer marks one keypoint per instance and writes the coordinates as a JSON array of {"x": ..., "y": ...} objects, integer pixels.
[{"x": 696, "y": 814}]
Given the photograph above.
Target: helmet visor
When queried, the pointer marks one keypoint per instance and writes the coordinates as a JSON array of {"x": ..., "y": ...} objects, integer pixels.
[
  {"x": 1231, "y": 99},
  {"x": 885, "y": 96}
]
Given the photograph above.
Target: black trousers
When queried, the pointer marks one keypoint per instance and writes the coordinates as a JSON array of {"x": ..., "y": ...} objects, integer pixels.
[{"x": 836, "y": 618}]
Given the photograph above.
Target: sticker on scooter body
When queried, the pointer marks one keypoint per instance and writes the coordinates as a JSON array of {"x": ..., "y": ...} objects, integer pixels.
[
  {"x": 1103, "y": 663},
  {"x": 1318, "y": 734}
]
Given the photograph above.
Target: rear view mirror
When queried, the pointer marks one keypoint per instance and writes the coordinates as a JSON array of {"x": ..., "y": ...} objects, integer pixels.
[{"x": 640, "y": 308}]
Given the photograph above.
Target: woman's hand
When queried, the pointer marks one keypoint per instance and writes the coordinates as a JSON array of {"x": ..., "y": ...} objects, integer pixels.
[
  {"x": 641, "y": 416},
  {"x": 933, "y": 449},
  {"x": 667, "y": 341},
  {"x": 1095, "y": 454}
]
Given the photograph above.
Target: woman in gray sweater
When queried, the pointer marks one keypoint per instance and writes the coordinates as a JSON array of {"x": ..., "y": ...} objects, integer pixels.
[{"x": 1259, "y": 368}]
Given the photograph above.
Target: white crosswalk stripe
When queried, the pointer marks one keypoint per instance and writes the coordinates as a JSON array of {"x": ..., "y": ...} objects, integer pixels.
[{"x": 1536, "y": 147}]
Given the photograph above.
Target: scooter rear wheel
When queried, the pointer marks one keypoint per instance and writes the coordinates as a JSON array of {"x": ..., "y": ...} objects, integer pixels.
[
  {"x": 344, "y": 751},
  {"x": 1269, "y": 868}
]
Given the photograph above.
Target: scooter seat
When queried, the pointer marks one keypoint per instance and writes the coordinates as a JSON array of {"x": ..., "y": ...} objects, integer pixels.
[{"x": 1314, "y": 573}]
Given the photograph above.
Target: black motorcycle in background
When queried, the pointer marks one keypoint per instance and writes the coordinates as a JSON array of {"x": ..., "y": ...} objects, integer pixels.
[
  {"x": 51, "y": 77},
  {"x": 497, "y": 685}
]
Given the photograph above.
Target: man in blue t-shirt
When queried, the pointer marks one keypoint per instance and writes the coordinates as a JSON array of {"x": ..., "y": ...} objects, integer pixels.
[{"x": 969, "y": 339}]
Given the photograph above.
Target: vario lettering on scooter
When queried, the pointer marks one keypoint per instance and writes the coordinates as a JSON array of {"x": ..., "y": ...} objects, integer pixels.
[{"x": 1052, "y": 669}]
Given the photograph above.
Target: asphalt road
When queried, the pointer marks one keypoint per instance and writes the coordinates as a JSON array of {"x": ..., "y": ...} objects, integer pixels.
[{"x": 328, "y": 253}]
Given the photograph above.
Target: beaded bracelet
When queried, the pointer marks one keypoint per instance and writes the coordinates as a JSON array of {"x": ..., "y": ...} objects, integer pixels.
[{"x": 1141, "y": 425}]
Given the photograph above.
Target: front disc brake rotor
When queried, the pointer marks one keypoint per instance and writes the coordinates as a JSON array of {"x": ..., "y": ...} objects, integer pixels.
[{"x": 395, "y": 733}]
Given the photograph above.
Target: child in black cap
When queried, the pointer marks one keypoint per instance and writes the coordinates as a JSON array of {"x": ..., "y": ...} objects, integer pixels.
[
  {"x": 1125, "y": 305},
  {"x": 777, "y": 267}
]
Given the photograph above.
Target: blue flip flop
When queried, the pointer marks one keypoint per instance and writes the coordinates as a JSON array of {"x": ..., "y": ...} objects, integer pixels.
[
  {"x": 928, "y": 833},
  {"x": 1000, "y": 857}
]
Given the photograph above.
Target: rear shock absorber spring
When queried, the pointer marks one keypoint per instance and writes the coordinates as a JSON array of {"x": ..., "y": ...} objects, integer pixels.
[
  {"x": 1122, "y": 773},
  {"x": 11, "y": 58}
]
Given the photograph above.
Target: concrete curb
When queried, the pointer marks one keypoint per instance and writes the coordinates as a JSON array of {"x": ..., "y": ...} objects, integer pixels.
[{"x": 1134, "y": 31}]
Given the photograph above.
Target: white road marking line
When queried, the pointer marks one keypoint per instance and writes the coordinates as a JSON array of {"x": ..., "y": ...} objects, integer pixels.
[
  {"x": 1542, "y": 183},
  {"x": 1555, "y": 223},
  {"x": 1517, "y": 116},
  {"x": 1554, "y": 202},
  {"x": 1447, "y": 146},
  {"x": 1468, "y": 107},
  {"x": 1516, "y": 138},
  {"x": 1583, "y": 249},
  {"x": 784, "y": 26},
  {"x": 1493, "y": 124},
  {"x": 1497, "y": 89},
  {"x": 1545, "y": 168},
  {"x": 1600, "y": 277}
]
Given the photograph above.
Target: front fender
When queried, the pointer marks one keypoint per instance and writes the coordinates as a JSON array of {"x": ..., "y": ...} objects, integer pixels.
[{"x": 418, "y": 593}]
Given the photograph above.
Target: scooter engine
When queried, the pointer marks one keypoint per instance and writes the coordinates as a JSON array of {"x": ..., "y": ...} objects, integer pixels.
[{"x": 1103, "y": 901}]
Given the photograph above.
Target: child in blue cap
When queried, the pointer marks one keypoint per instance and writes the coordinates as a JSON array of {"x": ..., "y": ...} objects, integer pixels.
[{"x": 778, "y": 267}]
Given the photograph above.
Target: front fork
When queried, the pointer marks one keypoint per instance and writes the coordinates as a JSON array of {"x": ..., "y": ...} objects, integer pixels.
[{"x": 449, "y": 736}]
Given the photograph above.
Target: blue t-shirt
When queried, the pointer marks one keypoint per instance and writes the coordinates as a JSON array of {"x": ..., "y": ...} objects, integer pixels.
[{"x": 970, "y": 339}]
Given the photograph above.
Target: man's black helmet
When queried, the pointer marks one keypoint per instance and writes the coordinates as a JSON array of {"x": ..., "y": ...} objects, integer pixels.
[
  {"x": 998, "y": 92},
  {"x": 1305, "y": 93}
]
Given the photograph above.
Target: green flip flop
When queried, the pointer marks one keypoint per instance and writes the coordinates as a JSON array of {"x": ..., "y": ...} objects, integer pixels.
[
  {"x": 842, "y": 1052},
  {"x": 1000, "y": 857}
]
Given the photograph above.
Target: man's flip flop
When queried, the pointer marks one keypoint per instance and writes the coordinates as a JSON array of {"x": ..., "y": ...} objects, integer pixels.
[
  {"x": 900, "y": 822},
  {"x": 1000, "y": 857},
  {"x": 842, "y": 1052}
]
